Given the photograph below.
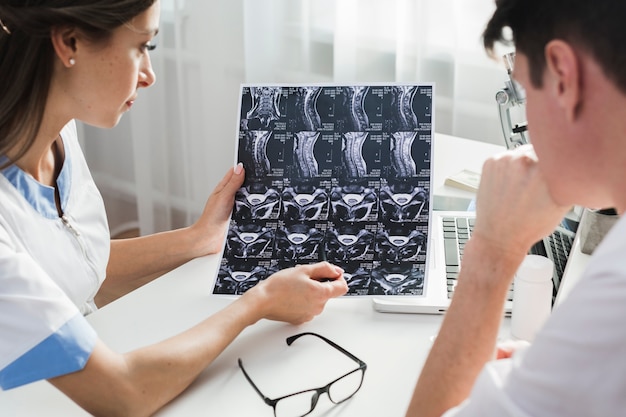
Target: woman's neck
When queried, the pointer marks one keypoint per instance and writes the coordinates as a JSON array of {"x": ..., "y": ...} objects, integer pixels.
[{"x": 44, "y": 160}]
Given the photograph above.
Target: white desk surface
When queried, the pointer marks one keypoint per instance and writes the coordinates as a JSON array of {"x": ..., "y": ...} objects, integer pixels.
[{"x": 393, "y": 345}]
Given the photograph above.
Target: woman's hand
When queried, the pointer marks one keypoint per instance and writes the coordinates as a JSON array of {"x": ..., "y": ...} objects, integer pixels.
[
  {"x": 210, "y": 228},
  {"x": 296, "y": 295}
]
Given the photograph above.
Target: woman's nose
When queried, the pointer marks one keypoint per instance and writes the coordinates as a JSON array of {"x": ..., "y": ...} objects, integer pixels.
[{"x": 147, "y": 76}]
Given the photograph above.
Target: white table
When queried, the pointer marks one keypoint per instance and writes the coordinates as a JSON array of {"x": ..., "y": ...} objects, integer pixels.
[{"x": 393, "y": 345}]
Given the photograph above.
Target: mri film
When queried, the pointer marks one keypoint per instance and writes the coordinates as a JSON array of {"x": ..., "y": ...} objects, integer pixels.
[{"x": 337, "y": 173}]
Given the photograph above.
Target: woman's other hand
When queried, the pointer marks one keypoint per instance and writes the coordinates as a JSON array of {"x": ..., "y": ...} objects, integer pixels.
[{"x": 210, "y": 229}]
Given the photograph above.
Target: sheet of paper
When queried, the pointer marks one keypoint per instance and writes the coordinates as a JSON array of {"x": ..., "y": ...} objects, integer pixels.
[{"x": 333, "y": 172}]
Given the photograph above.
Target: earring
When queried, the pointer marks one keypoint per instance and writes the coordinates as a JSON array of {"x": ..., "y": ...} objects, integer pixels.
[
  {"x": 3, "y": 26},
  {"x": 72, "y": 62}
]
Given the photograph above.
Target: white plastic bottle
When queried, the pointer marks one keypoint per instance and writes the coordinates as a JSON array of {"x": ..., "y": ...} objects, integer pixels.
[{"x": 532, "y": 296}]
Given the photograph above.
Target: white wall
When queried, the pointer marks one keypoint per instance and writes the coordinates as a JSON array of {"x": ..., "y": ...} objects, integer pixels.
[{"x": 158, "y": 166}]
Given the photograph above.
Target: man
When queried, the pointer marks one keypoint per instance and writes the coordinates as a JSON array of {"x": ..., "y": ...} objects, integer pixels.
[{"x": 571, "y": 60}]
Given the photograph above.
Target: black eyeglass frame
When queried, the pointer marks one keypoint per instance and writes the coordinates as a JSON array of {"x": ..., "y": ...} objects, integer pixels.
[{"x": 319, "y": 391}]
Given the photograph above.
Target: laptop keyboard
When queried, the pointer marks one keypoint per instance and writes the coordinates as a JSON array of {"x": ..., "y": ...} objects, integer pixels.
[
  {"x": 456, "y": 233},
  {"x": 458, "y": 230}
]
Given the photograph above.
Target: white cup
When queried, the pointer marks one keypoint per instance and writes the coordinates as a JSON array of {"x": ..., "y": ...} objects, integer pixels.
[{"x": 532, "y": 296}]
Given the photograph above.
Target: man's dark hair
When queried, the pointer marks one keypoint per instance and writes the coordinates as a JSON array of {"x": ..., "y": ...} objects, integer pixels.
[{"x": 597, "y": 27}]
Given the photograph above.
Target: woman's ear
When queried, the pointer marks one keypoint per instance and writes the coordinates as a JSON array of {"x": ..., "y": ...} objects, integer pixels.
[
  {"x": 563, "y": 75},
  {"x": 64, "y": 44}
]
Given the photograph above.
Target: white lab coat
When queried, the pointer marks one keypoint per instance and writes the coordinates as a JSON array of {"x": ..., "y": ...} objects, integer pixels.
[{"x": 50, "y": 269}]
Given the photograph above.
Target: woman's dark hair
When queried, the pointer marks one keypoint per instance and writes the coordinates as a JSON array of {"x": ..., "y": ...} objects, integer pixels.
[
  {"x": 27, "y": 55},
  {"x": 595, "y": 26}
]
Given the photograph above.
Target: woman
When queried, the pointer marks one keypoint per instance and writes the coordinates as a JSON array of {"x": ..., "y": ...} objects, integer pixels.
[{"x": 87, "y": 60}]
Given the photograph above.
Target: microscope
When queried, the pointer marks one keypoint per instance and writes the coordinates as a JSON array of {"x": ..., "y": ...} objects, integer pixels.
[{"x": 511, "y": 103}]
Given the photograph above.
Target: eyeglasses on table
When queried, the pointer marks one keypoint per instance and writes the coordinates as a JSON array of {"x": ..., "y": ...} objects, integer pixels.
[{"x": 303, "y": 402}]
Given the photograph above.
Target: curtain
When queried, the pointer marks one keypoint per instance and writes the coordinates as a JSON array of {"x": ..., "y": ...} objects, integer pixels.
[{"x": 157, "y": 167}]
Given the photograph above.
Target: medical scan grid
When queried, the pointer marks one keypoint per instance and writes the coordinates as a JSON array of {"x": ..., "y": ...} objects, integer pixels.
[{"x": 336, "y": 173}]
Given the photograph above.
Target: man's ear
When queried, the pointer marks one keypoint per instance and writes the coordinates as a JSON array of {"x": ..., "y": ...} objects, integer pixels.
[
  {"x": 564, "y": 77},
  {"x": 64, "y": 44}
]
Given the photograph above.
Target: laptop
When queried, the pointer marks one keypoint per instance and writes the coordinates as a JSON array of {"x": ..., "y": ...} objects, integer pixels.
[
  {"x": 442, "y": 273},
  {"x": 449, "y": 232}
]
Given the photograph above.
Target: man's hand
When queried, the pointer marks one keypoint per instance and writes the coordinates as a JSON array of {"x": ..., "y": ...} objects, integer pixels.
[
  {"x": 514, "y": 208},
  {"x": 507, "y": 348}
]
